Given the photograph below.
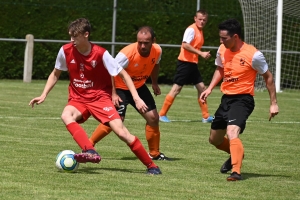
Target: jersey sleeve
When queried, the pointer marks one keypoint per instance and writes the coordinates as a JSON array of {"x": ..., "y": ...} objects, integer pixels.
[
  {"x": 159, "y": 57},
  {"x": 60, "y": 62},
  {"x": 259, "y": 63},
  {"x": 111, "y": 64},
  {"x": 122, "y": 60},
  {"x": 188, "y": 35},
  {"x": 218, "y": 60}
]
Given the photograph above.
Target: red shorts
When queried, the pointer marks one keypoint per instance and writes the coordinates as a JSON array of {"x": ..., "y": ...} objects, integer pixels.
[{"x": 102, "y": 110}]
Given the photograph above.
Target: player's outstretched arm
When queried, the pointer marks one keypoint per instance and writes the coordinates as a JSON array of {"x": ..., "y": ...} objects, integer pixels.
[
  {"x": 274, "y": 109},
  {"x": 52, "y": 79}
]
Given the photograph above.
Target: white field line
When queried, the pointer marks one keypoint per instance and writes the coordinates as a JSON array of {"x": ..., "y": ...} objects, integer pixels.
[{"x": 141, "y": 119}]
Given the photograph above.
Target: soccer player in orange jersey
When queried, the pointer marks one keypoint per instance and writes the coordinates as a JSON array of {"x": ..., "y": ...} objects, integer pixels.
[
  {"x": 237, "y": 64},
  {"x": 90, "y": 69},
  {"x": 187, "y": 67},
  {"x": 141, "y": 61}
]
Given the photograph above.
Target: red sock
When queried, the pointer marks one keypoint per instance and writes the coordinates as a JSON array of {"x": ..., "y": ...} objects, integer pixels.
[
  {"x": 140, "y": 152},
  {"x": 80, "y": 136}
]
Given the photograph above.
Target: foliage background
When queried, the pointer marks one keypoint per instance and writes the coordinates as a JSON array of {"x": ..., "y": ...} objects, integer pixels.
[{"x": 49, "y": 20}]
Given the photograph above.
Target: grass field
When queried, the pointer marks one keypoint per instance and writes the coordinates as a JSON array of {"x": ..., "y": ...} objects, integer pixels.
[{"x": 31, "y": 138}]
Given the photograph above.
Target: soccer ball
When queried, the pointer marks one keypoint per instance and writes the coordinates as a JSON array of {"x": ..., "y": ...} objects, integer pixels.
[{"x": 65, "y": 161}]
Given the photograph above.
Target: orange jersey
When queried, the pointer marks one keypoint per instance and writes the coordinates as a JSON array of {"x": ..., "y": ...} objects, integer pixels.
[
  {"x": 139, "y": 68},
  {"x": 240, "y": 69},
  {"x": 196, "y": 42}
]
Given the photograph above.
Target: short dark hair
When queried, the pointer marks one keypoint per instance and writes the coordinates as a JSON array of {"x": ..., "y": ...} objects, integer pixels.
[
  {"x": 147, "y": 29},
  {"x": 232, "y": 26},
  {"x": 79, "y": 26}
]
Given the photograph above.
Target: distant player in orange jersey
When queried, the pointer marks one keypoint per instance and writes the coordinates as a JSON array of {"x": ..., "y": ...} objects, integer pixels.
[
  {"x": 141, "y": 61},
  {"x": 237, "y": 64},
  {"x": 90, "y": 70},
  {"x": 187, "y": 67}
]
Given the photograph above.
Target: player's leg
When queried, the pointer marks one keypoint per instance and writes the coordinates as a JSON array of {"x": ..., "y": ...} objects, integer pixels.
[
  {"x": 180, "y": 79},
  {"x": 218, "y": 130},
  {"x": 73, "y": 114},
  {"x": 152, "y": 131},
  {"x": 239, "y": 111},
  {"x": 198, "y": 82},
  {"x": 168, "y": 102},
  {"x": 135, "y": 145},
  {"x": 103, "y": 130}
]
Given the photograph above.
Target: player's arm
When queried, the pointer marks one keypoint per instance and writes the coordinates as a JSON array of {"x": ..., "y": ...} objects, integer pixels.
[
  {"x": 259, "y": 63},
  {"x": 190, "y": 48},
  {"x": 60, "y": 65},
  {"x": 114, "y": 69},
  {"x": 187, "y": 39},
  {"x": 154, "y": 80},
  {"x": 52, "y": 79},
  {"x": 114, "y": 96},
  {"x": 154, "y": 76},
  {"x": 140, "y": 104},
  {"x": 268, "y": 77},
  {"x": 217, "y": 77}
]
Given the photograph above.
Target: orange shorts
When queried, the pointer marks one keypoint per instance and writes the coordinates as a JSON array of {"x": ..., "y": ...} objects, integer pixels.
[{"x": 102, "y": 110}]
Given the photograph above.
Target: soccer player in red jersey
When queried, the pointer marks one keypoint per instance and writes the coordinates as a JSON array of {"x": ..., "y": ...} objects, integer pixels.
[
  {"x": 141, "y": 61},
  {"x": 90, "y": 69},
  {"x": 237, "y": 64}
]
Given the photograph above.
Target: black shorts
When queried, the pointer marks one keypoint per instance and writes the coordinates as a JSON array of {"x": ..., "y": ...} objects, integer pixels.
[
  {"x": 126, "y": 97},
  {"x": 233, "y": 110},
  {"x": 186, "y": 73}
]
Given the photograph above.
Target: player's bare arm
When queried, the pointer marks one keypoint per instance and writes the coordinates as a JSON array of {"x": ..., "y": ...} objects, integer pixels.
[
  {"x": 154, "y": 79},
  {"x": 203, "y": 54},
  {"x": 274, "y": 109},
  {"x": 52, "y": 79},
  {"x": 140, "y": 104},
  {"x": 217, "y": 77},
  {"x": 114, "y": 96}
]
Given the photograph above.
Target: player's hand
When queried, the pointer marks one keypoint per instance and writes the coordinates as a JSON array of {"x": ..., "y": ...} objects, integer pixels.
[
  {"x": 274, "y": 110},
  {"x": 37, "y": 101},
  {"x": 140, "y": 105},
  {"x": 204, "y": 95},
  {"x": 206, "y": 55},
  {"x": 116, "y": 99},
  {"x": 156, "y": 89}
]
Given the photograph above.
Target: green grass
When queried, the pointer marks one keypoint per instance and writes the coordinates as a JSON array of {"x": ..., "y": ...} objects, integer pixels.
[{"x": 31, "y": 138}]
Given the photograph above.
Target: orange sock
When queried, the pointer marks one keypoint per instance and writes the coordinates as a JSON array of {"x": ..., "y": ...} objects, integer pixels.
[
  {"x": 140, "y": 152},
  {"x": 153, "y": 139},
  {"x": 204, "y": 109},
  {"x": 224, "y": 146},
  {"x": 80, "y": 136},
  {"x": 237, "y": 153},
  {"x": 99, "y": 133},
  {"x": 167, "y": 105}
]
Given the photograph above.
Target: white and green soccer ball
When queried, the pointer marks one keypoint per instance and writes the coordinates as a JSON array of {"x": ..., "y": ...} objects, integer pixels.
[{"x": 65, "y": 161}]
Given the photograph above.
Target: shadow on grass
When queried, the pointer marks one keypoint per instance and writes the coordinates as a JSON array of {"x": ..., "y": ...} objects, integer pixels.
[
  {"x": 135, "y": 158},
  {"x": 255, "y": 175},
  {"x": 97, "y": 170},
  {"x": 246, "y": 175}
]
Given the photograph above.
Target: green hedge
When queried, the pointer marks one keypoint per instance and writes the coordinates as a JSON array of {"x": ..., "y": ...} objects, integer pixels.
[{"x": 49, "y": 20}]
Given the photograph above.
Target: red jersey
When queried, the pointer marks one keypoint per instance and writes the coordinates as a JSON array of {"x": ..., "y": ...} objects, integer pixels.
[{"x": 89, "y": 78}]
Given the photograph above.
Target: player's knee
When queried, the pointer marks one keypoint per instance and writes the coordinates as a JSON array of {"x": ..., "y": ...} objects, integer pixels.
[{"x": 176, "y": 89}]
